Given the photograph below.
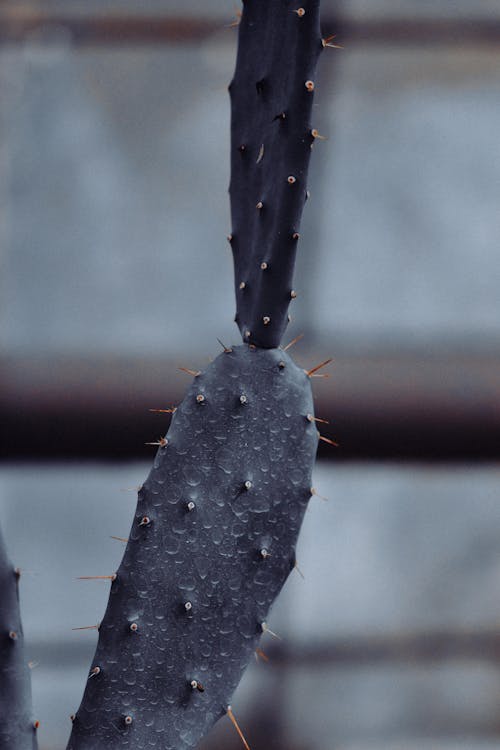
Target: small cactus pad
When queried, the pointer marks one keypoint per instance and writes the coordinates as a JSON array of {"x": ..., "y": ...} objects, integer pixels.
[
  {"x": 211, "y": 545},
  {"x": 17, "y": 729},
  {"x": 271, "y": 137}
]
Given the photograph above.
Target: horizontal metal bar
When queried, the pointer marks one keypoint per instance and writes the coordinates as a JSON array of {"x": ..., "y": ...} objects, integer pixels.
[
  {"x": 389, "y": 407},
  {"x": 425, "y": 647},
  {"x": 413, "y": 648},
  {"x": 120, "y": 29}
]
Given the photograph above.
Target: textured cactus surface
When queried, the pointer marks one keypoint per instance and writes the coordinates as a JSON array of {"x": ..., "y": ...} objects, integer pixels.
[
  {"x": 271, "y": 137},
  {"x": 212, "y": 542},
  {"x": 17, "y": 730}
]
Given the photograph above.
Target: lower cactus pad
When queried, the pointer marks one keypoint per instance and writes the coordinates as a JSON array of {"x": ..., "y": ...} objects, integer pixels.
[{"x": 211, "y": 545}]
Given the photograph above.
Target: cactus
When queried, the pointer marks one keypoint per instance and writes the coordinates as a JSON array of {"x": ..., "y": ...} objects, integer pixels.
[
  {"x": 214, "y": 534},
  {"x": 271, "y": 137},
  {"x": 17, "y": 728}
]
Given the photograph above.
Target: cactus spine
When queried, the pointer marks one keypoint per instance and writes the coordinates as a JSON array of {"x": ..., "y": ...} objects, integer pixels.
[
  {"x": 17, "y": 729},
  {"x": 214, "y": 534}
]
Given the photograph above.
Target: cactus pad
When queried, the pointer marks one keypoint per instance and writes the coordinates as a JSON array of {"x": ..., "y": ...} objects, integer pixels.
[
  {"x": 271, "y": 137},
  {"x": 211, "y": 544}
]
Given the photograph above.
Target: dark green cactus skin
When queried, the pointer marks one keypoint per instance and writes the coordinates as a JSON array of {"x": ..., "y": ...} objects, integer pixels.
[
  {"x": 212, "y": 542},
  {"x": 17, "y": 730},
  {"x": 271, "y": 137}
]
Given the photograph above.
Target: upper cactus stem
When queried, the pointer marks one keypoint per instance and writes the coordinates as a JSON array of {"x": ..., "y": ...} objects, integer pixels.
[{"x": 271, "y": 137}]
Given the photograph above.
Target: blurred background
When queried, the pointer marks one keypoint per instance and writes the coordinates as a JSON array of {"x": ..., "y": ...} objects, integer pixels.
[{"x": 115, "y": 272}]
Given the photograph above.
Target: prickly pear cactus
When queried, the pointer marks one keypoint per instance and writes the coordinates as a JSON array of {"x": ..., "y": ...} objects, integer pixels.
[
  {"x": 214, "y": 534},
  {"x": 17, "y": 729}
]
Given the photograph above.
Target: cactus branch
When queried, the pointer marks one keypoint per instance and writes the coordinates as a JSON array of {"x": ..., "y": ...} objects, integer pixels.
[
  {"x": 271, "y": 138},
  {"x": 17, "y": 728}
]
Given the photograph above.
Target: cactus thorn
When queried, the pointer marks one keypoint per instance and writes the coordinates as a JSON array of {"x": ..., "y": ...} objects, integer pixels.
[
  {"x": 97, "y": 578},
  {"x": 235, "y": 724},
  {"x": 328, "y": 42},
  {"x": 172, "y": 410},
  {"x": 263, "y": 266},
  {"x": 262, "y": 654},
  {"x": 261, "y": 154},
  {"x": 313, "y": 370},
  {"x": 94, "y": 672},
  {"x": 12, "y": 635},
  {"x": 119, "y": 539},
  {"x": 190, "y": 506},
  {"x": 236, "y": 22},
  {"x": 317, "y": 136},
  {"x": 309, "y": 85},
  {"x": 226, "y": 349},
  {"x": 312, "y": 418},
  {"x": 266, "y": 320},
  {"x": 293, "y": 342},
  {"x": 259, "y": 205},
  {"x": 316, "y": 494},
  {"x": 327, "y": 440},
  {"x": 293, "y": 294},
  {"x": 266, "y": 629},
  {"x": 128, "y": 720},
  {"x": 188, "y": 606},
  {"x": 36, "y": 725},
  {"x": 87, "y": 627},
  {"x": 291, "y": 179},
  {"x": 162, "y": 442},
  {"x": 194, "y": 373},
  {"x": 145, "y": 521},
  {"x": 300, "y": 12},
  {"x": 296, "y": 567},
  {"x": 200, "y": 398},
  {"x": 134, "y": 627}
]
